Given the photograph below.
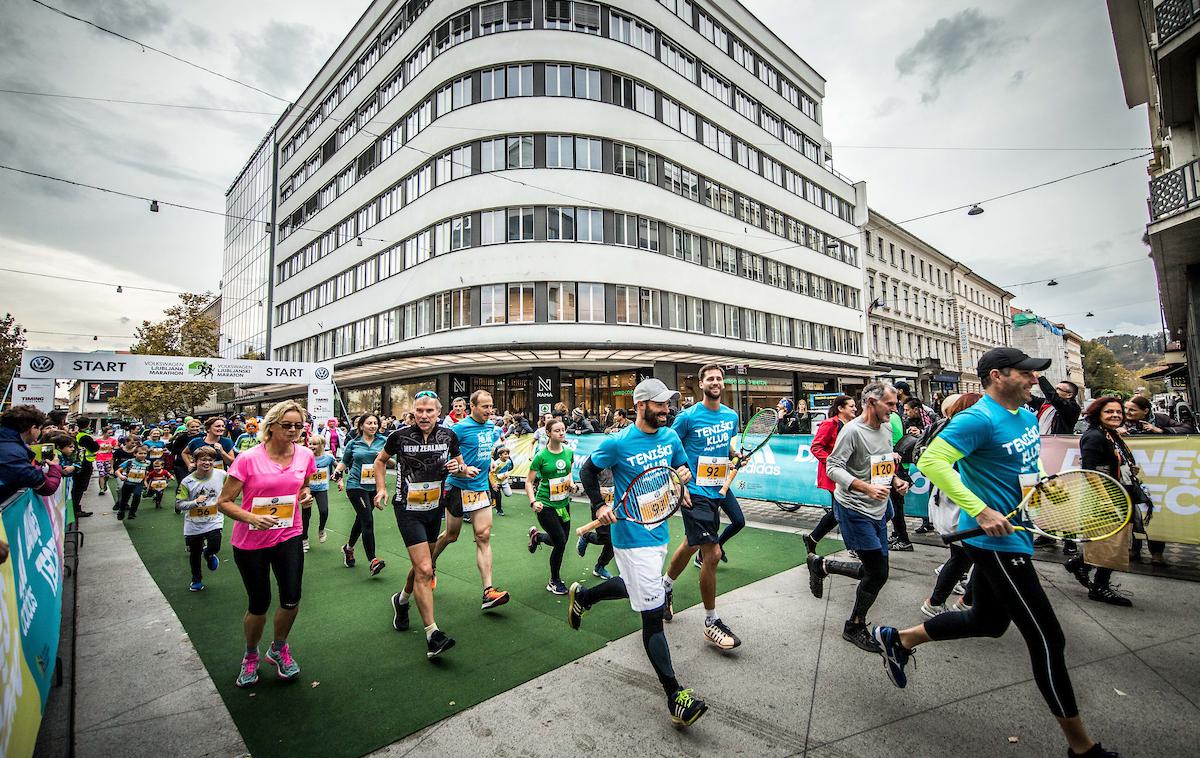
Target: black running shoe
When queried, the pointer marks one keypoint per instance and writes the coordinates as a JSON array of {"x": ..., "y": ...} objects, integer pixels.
[
  {"x": 895, "y": 655},
  {"x": 862, "y": 637},
  {"x": 924, "y": 529},
  {"x": 399, "y": 614},
  {"x": 686, "y": 708},
  {"x": 1106, "y": 594},
  {"x": 1078, "y": 569},
  {"x": 900, "y": 545},
  {"x": 438, "y": 643},
  {"x": 816, "y": 575},
  {"x": 575, "y": 609},
  {"x": 533, "y": 539},
  {"x": 1095, "y": 751},
  {"x": 810, "y": 545},
  {"x": 1043, "y": 541}
]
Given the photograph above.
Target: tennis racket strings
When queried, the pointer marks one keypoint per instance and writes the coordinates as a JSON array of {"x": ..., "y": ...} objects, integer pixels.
[{"x": 1082, "y": 505}]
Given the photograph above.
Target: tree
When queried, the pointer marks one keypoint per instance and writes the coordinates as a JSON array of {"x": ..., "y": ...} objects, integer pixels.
[
  {"x": 12, "y": 342},
  {"x": 184, "y": 331},
  {"x": 1103, "y": 373}
]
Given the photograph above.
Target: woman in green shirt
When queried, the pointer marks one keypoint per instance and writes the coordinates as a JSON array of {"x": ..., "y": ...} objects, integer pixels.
[
  {"x": 552, "y": 500},
  {"x": 358, "y": 467}
]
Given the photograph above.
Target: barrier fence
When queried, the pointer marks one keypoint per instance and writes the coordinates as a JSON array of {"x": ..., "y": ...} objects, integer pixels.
[
  {"x": 31, "y": 583},
  {"x": 786, "y": 472}
]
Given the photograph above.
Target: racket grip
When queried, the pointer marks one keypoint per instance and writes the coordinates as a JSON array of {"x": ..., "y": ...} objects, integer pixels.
[
  {"x": 964, "y": 534},
  {"x": 733, "y": 469},
  {"x": 588, "y": 527}
]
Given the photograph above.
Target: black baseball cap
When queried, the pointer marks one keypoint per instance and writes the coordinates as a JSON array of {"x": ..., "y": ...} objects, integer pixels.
[{"x": 1009, "y": 357}]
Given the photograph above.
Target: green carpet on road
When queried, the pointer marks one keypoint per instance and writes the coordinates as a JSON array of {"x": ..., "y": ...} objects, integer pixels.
[{"x": 362, "y": 684}]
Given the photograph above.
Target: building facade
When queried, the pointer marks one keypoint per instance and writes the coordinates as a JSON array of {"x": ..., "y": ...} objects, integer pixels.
[
  {"x": 245, "y": 304},
  {"x": 552, "y": 199},
  {"x": 983, "y": 321},
  {"x": 912, "y": 320},
  {"x": 1158, "y": 49}
]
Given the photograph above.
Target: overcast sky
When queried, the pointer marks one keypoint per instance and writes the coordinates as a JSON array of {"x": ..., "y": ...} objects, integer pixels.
[{"x": 920, "y": 73}]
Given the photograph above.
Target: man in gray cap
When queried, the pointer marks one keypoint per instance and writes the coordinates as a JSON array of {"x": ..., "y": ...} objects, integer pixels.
[{"x": 640, "y": 550}]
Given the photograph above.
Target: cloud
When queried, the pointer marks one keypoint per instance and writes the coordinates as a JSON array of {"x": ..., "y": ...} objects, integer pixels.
[
  {"x": 268, "y": 68},
  {"x": 1017, "y": 79},
  {"x": 887, "y": 107},
  {"x": 129, "y": 17},
  {"x": 950, "y": 47}
]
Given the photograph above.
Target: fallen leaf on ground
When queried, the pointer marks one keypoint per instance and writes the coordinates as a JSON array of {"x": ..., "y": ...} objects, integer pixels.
[
  {"x": 1122, "y": 694},
  {"x": 314, "y": 684},
  {"x": 451, "y": 702},
  {"x": 1013, "y": 740}
]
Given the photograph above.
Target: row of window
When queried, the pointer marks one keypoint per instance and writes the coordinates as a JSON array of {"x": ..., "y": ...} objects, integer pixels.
[
  {"x": 912, "y": 346},
  {"x": 563, "y": 224},
  {"x": 517, "y": 14},
  {"x": 928, "y": 272},
  {"x": 576, "y": 302},
  {"x": 900, "y": 297},
  {"x": 560, "y": 80}
]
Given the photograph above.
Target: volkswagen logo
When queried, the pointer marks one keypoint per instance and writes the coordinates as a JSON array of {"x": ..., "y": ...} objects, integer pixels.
[
  {"x": 41, "y": 364},
  {"x": 321, "y": 372}
]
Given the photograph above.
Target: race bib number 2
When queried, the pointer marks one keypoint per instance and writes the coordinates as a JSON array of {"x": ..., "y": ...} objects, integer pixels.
[{"x": 282, "y": 508}]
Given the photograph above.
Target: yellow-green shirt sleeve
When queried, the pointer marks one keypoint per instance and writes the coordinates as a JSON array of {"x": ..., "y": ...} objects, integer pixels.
[{"x": 937, "y": 463}]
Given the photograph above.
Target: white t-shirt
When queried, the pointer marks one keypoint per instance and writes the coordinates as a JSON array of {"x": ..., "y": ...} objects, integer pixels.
[{"x": 205, "y": 517}]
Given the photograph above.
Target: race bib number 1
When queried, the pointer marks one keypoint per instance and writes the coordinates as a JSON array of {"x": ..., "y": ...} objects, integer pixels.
[
  {"x": 711, "y": 470},
  {"x": 883, "y": 468},
  {"x": 423, "y": 496},
  {"x": 282, "y": 508}
]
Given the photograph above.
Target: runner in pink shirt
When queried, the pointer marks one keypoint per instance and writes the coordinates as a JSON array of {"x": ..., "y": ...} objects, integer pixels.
[{"x": 272, "y": 482}]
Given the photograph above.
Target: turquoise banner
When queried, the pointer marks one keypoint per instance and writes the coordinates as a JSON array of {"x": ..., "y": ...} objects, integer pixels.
[{"x": 30, "y": 614}]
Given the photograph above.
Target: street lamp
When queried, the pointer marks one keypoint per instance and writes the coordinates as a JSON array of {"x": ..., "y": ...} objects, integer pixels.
[{"x": 975, "y": 210}]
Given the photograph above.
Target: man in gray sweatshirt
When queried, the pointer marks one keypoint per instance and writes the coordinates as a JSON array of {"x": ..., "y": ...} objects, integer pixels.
[{"x": 863, "y": 466}]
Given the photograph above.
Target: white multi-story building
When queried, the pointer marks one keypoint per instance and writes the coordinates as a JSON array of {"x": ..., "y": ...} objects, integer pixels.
[
  {"x": 983, "y": 321},
  {"x": 911, "y": 307},
  {"x": 549, "y": 199}
]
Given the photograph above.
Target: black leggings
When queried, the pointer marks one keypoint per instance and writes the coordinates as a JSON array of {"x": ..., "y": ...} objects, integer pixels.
[
  {"x": 899, "y": 526},
  {"x": 875, "y": 575},
  {"x": 952, "y": 570},
  {"x": 824, "y": 526},
  {"x": 364, "y": 520},
  {"x": 287, "y": 561},
  {"x": 322, "y": 499},
  {"x": 202, "y": 546},
  {"x": 654, "y": 638},
  {"x": 600, "y": 536},
  {"x": 1006, "y": 590},
  {"x": 83, "y": 477},
  {"x": 555, "y": 536},
  {"x": 737, "y": 519}
]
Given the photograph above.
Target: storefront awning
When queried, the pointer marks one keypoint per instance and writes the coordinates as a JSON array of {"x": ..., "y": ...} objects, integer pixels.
[{"x": 1164, "y": 372}]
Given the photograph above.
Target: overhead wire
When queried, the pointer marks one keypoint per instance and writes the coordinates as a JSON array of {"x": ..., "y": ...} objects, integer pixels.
[{"x": 185, "y": 106}]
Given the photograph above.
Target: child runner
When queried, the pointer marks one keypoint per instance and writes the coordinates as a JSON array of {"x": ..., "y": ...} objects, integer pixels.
[
  {"x": 552, "y": 500},
  {"x": 249, "y": 439},
  {"x": 104, "y": 457},
  {"x": 319, "y": 486},
  {"x": 203, "y": 523},
  {"x": 132, "y": 474},
  {"x": 156, "y": 444},
  {"x": 502, "y": 467},
  {"x": 157, "y": 479},
  {"x": 68, "y": 460}
]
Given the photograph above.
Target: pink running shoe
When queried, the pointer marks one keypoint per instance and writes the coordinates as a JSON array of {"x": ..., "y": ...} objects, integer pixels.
[
  {"x": 285, "y": 665},
  {"x": 248, "y": 676}
]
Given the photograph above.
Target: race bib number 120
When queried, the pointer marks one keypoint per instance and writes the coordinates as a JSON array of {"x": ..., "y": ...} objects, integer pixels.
[{"x": 883, "y": 468}]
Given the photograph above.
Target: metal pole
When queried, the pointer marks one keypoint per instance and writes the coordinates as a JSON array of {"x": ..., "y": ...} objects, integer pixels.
[{"x": 8, "y": 386}]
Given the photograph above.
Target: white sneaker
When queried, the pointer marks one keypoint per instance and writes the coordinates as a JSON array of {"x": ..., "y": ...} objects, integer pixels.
[
  {"x": 306, "y": 546},
  {"x": 930, "y": 610},
  {"x": 321, "y": 537},
  {"x": 720, "y": 635}
]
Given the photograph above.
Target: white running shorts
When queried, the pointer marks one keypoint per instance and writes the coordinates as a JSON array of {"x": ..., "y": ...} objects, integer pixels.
[{"x": 642, "y": 570}]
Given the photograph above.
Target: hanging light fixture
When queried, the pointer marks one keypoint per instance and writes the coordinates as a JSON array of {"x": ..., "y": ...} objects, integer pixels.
[
  {"x": 119, "y": 289},
  {"x": 975, "y": 210},
  {"x": 95, "y": 338},
  {"x": 1089, "y": 314},
  {"x": 154, "y": 206},
  {"x": 360, "y": 241},
  {"x": 833, "y": 244},
  {"x": 1052, "y": 283}
]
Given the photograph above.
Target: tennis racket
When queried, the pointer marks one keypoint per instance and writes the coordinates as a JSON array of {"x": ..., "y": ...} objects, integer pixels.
[
  {"x": 757, "y": 433},
  {"x": 651, "y": 498},
  {"x": 1077, "y": 505}
]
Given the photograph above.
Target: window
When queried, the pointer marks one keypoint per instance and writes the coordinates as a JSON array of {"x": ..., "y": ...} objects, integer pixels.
[
  {"x": 627, "y": 304},
  {"x": 718, "y": 197},
  {"x": 651, "y": 301},
  {"x": 685, "y": 246},
  {"x": 520, "y": 80},
  {"x": 591, "y": 302},
  {"x": 491, "y": 83},
  {"x": 587, "y": 83},
  {"x": 634, "y": 163},
  {"x": 520, "y": 224},
  {"x": 681, "y": 181},
  {"x": 752, "y": 266},
  {"x": 625, "y": 229},
  {"x": 589, "y": 225},
  {"x": 417, "y": 62},
  {"x": 678, "y": 60},
  {"x": 679, "y": 118},
  {"x": 747, "y": 156},
  {"x": 676, "y": 312},
  {"x": 792, "y": 138},
  {"x": 717, "y": 139},
  {"x": 460, "y": 232},
  {"x": 506, "y": 16},
  {"x": 520, "y": 302},
  {"x": 587, "y": 154},
  {"x": 577, "y": 16},
  {"x": 648, "y": 234},
  {"x": 560, "y": 151},
  {"x": 771, "y": 170},
  {"x": 768, "y": 76},
  {"x": 771, "y": 123},
  {"x": 713, "y": 32},
  {"x": 681, "y": 8},
  {"x": 722, "y": 257},
  {"x": 561, "y": 301},
  {"x": 630, "y": 31},
  {"x": 491, "y": 304},
  {"x": 558, "y": 80},
  {"x": 743, "y": 55},
  {"x": 560, "y": 223},
  {"x": 630, "y": 94},
  {"x": 715, "y": 86},
  {"x": 520, "y": 152},
  {"x": 493, "y": 227},
  {"x": 452, "y": 309},
  {"x": 745, "y": 105},
  {"x": 492, "y": 155}
]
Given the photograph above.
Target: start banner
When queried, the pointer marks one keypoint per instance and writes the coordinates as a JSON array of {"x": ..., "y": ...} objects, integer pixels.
[
  {"x": 132, "y": 367},
  {"x": 786, "y": 472},
  {"x": 30, "y": 614}
]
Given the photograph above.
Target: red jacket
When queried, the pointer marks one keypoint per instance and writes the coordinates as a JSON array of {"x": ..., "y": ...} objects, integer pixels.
[{"x": 822, "y": 446}]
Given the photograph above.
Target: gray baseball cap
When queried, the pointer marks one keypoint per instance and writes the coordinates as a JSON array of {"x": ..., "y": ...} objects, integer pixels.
[{"x": 653, "y": 390}]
